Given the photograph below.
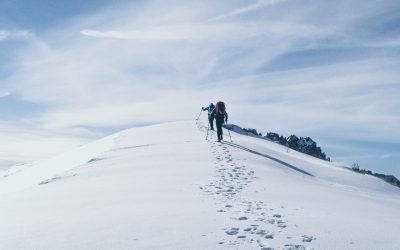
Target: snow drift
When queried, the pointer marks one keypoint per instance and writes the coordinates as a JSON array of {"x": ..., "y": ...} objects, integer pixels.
[{"x": 167, "y": 187}]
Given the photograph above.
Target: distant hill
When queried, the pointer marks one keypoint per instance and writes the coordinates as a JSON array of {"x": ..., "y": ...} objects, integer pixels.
[
  {"x": 304, "y": 145},
  {"x": 307, "y": 146},
  {"x": 388, "y": 178}
]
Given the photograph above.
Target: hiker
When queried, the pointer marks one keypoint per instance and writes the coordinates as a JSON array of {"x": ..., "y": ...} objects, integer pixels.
[
  {"x": 220, "y": 117},
  {"x": 210, "y": 116}
]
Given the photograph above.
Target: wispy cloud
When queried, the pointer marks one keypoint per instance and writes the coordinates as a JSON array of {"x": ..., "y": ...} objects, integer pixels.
[
  {"x": 4, "y": 34},
  {"x": 4, "y": 93},
  {"x": 159, "y": 33},
  {"x": 248, "y": 8},
  {"x": 363, "y": 157},
  {"x": 14, "y": 34}
]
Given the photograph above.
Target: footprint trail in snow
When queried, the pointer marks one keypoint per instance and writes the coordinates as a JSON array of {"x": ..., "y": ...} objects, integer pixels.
[{"x": 252, "y": 222}]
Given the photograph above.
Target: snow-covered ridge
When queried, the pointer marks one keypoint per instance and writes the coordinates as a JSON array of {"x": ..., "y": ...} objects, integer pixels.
[
  {"x": 28, "y": 175},
  {"x": 170, "y": 186}
]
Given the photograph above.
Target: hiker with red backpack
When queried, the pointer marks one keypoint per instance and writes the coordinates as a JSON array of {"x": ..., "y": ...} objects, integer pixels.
[
  {"x": 220, "y": 117},
  {"x": 210, "y": 116}
]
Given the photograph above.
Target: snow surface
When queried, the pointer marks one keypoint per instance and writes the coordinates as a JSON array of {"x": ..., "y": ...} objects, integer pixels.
[{"x": 168, "y": 187}]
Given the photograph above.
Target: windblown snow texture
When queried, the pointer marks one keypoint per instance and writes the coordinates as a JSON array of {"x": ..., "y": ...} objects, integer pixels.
[{"x": 168, "y": 187}]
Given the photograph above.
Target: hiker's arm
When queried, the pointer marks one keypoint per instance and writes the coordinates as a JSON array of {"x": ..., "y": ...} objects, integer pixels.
[
  {"x": 226, "y": 117},
  {"x": 204, "y": 109}
]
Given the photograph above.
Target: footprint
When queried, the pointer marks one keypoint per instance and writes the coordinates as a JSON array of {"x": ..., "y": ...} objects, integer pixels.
[
  {"x": 294, "y": 247},
  {"x": 307, "y": 238},
  {"x": 232, "y": 231},
  {"x": 282, "y": 224},
  {"x": 269, "y": 235},
  {"x": 261, "y": 232},
  {"x": 271, "y": 221}
]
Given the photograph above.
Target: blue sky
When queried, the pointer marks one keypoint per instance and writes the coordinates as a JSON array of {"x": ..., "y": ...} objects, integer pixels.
[
  {"x": 43, "y": 15},
  {"x": 77, "y": 70}
]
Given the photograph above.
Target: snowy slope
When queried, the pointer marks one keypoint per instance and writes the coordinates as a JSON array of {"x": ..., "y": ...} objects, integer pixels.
[{"x": 167, "y": 187}]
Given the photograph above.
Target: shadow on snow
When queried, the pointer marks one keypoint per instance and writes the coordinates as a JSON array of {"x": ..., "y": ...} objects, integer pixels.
[{"x": 268, "y": 157}]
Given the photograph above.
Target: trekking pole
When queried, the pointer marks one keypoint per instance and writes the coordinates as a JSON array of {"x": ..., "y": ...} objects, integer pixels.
[
  {"x": 229, "y": 132},
  {"x": 208, "y": 128},
  {"x": 201, "y": 111}
]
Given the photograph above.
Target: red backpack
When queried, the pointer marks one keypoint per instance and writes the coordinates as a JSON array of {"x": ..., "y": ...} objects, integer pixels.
[{"x": 220, "y": 107}]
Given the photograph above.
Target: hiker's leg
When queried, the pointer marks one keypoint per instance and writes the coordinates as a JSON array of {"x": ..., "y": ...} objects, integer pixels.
[
  {"x": 211, "y": 120},
  {"x": 219, "y": 130}
]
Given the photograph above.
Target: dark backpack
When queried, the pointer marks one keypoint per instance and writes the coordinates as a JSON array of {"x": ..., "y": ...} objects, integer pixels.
[
  {"x": 211, "y": 107},
  {"x": 220, "y": 108}
]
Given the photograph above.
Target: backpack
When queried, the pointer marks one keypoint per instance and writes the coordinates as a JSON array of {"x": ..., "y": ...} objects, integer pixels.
[
  {"x": 211, "y": 108},
  {"x": 220, "y": 107}
]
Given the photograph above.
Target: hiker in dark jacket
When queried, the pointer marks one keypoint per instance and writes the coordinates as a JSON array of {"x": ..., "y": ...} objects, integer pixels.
[
  {"x": 210, "y": 110},
  {"x": 220, "y": 117}
]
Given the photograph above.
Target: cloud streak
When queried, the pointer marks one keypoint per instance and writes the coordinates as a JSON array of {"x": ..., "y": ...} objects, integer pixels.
[
  {"x": 4, "y": 93},
  {"x": 249, "y": 8},
  {"x": 6, "y": 35},
  {"x": 161, "y": 34}
]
